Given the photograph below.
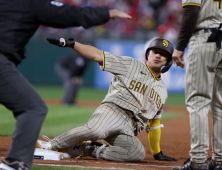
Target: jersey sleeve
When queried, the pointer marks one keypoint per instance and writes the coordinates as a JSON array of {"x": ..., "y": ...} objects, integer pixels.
[
  {"x": 191, "y": 2},
  {"x": 60, "y": 15},
  {"x": 115, "y": 64}
]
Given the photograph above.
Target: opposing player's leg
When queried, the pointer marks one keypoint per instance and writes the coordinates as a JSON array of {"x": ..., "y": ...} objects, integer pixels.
[
  {"x": 29, "y": 110},
  {"x": 199, "y": 78},
  {"x": 216, "y": 114}
]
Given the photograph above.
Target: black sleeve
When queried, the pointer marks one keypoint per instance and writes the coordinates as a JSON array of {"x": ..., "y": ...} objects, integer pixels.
[
  {"x": 188, "y": 24},
  {"x": 59, "y": 15}
]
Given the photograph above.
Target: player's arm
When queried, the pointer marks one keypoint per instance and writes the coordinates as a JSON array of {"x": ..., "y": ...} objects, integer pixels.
[
  {"x": 89, "y": 52},
  {"x": 188, "y": 24},
  {"x": 154, "y": 134},
  {"x": 86, "y": 51}
]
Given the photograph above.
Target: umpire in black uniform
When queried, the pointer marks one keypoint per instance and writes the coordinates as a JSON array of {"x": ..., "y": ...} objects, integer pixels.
[
  {"x": 70, "y": 69},
  {"x": 19, "y": 20}
]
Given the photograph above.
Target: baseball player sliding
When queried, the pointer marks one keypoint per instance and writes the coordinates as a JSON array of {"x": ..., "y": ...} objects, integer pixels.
[{"x": 134, "y": 103}]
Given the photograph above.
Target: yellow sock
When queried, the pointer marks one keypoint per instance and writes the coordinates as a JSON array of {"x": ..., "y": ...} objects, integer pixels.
[{"x": 154, "y": 136}]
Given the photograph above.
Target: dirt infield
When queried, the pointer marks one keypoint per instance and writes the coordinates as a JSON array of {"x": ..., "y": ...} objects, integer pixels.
[{"x": 175, "y": 141}]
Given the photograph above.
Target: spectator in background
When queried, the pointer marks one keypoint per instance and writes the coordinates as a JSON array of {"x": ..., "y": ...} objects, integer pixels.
[
  {"x": 70, "y": 69},
  {"x": 146, "y": 16}
]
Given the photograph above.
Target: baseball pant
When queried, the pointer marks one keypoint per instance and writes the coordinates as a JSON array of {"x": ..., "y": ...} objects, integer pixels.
[
  {"x": 204, "y": 93},
  {"x": 70, "y": 88},
  {"x": 29, "y": 110},
  {"x": 110, "y": 123}
]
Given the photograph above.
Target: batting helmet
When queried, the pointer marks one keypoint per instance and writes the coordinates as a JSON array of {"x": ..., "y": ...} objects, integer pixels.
[{"x": 164, "y": 45}]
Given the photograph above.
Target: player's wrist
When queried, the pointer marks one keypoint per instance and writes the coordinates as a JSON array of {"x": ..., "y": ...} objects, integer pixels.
[{"x": 62, "y": 42}]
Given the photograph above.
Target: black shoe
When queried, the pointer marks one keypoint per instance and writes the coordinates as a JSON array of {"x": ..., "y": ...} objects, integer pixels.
[
  {"x": 16, "y": 165},
  {"x": 214, "y": 165},
  {"x": 189, "y": 165}
]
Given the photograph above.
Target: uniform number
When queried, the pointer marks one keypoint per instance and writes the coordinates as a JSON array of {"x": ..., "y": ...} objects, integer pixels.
[{"x": 219, "y": 3}]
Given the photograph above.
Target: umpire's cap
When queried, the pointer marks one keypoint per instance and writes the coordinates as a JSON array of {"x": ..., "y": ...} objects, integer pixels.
[{"x": 164, "y": 45}]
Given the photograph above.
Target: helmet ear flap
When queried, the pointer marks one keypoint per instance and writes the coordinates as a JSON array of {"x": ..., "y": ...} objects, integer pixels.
[{"x": 147, "y": 53}]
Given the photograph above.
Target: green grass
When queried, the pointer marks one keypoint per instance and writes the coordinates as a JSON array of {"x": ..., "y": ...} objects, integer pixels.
[
  {"x": 83, "y": 94},
  {"x": 60, "y": 119},
  {"x": 176, "y": 99},
  {"x": 96, "y": 95}
]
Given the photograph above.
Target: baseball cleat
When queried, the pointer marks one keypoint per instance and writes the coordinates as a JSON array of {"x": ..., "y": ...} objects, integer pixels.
[
  {"x": 86, "y": 148},
  {"x": 43, "y": 144},
  {"x": 76, "y": 151},
  {"x": 189, "y": 165},
  {"x": 214, "y": 165},
  {"x": 15, "y": 165}
]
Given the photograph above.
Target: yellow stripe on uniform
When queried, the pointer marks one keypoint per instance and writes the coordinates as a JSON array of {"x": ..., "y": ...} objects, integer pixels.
[
  {"x": 152, "y": 73},
  {"x": 191, "y": 4},
  {"x": 103, "y": 60}
]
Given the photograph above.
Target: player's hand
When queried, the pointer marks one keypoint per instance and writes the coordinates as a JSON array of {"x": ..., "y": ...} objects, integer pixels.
[
  {"x": 178, "y": 58},
  {"x": 114, "y": 13},
  {"x": 62, "y": 42},
  {"x": 161, "y": 157}
]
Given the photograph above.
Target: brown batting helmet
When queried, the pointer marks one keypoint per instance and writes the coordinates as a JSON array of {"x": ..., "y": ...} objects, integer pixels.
[{"x": 164, "y": 45}]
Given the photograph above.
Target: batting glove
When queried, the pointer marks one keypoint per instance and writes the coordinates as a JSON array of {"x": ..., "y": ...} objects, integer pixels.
[
  {"x": 161, "y": 157},
  {"x": 62, "y": 42}
]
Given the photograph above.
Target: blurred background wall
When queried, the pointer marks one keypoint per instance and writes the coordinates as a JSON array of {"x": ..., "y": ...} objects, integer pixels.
[{"x": 151, "y": 18}]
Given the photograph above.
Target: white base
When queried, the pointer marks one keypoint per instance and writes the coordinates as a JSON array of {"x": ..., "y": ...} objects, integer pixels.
[
  {"x": 5, "y": 167},
  {"x": 47, "y": 154}
]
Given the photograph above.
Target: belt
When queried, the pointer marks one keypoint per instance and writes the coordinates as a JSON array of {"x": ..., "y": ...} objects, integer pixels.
[
  {"x": 208, "y": 30},
  {"x": 132, "y": 116},
  {"x": 215, "y": 36}
]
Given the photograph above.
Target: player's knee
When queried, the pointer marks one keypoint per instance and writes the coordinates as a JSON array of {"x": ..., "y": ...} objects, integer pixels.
[
  {"x": 137, "y": 155},
  {"x": 141, "y": 155}
]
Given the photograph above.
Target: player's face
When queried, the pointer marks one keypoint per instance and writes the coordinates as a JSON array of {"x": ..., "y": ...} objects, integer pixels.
[{"x": 157, "y": 58}]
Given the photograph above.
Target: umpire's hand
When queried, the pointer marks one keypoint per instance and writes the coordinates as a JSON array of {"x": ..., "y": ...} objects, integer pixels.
[
  {"x": 115, "y": 13},
  {"x": 161, "y": 157},
  {"x": 62, "y": 42}
]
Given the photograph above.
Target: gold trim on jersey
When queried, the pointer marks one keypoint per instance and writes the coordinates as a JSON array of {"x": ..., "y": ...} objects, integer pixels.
[
  {"x": 191, "y": 4},
  {"x": 103, "y": 60},
  {"x": 219, "y": 4},
  {"x": 152, "y": 73}
]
